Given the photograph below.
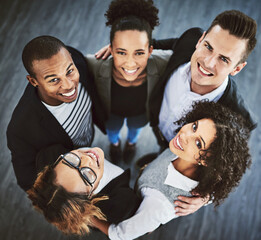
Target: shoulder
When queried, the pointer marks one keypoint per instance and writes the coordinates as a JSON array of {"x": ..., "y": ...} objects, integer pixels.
[
  {"x": 24, "y": 110},
  {"x": 99, "y": 65},
  {"x": 161, "y": 55},
  {"x": 193, "y": 32},
  {"x": 189, "y": 38},
  {"x": 233, "y": 100},
  {"x": 158, "y": 61}
]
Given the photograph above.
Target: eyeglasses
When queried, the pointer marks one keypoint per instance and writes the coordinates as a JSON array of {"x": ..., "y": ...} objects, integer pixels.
[{"x": 72, "y": 160}]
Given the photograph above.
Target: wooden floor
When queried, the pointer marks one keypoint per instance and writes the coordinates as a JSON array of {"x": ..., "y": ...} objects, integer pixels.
[{"x": 81, "y": 24}]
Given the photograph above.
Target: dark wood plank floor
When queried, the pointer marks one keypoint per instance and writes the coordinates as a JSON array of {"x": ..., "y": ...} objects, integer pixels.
[{"x": 81, "y": 23}]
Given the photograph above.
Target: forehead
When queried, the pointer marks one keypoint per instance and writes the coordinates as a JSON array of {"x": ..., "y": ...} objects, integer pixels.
[
  {"x": 226, "y": 44},
  {"x": 69, "y": 178},
  {"x": 129, "y": 39},
  {"x": 56, "y": 64},
  {"x": 207, "y": 130}
]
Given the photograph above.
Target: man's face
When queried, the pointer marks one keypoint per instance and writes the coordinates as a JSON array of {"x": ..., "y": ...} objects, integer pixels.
[
  {"x": 57, "y": 78},
  {"x": 216, "y": 56}
]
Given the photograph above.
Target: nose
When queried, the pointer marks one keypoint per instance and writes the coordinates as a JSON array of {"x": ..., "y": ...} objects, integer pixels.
[
  {"x": 210, "y": 61},
  {"x": 186, "y": 136},
  {"x": 86, "y": 161},
  {"x": 67, "y": 84},
  {"x": 130, "y": 62}
]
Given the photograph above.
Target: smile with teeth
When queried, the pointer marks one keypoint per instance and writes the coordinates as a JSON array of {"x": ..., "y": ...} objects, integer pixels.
[
  {"x": 178, "y": 144},
  {"x": 204, "y": 71},
  {"x": 130, "y": 72},
  {"x": 69, "y": 94},
  {"x": 94, "y": 157}
]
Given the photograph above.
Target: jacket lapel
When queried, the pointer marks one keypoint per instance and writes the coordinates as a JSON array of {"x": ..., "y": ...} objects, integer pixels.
[
  {"x": 104, "y": 83},
  {"x": 49, "y": 122}
]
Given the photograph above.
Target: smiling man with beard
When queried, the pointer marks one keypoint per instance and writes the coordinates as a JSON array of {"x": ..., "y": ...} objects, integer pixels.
[{"x": 58, "y": 107}]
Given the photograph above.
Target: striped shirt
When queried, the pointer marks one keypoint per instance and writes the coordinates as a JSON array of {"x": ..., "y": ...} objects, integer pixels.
[{"x": 76, "y": 118}]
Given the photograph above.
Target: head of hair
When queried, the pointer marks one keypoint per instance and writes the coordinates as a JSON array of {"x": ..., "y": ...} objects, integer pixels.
[
  {"x": 239, "y": 25},
  {"x": 228, "y": 155},
  {"x": 139, "y": 15},
  {"x": 69, "y": 212},
  {"x": 40, "y": 48}
]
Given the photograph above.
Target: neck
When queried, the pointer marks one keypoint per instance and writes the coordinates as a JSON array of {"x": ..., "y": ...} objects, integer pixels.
[
  {"x": 186, "y": 168},
  {"x": 202, "y": 90}
]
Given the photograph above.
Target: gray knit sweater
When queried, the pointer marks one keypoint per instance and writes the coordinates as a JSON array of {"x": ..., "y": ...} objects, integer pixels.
[{"x": 154, "y": 176}]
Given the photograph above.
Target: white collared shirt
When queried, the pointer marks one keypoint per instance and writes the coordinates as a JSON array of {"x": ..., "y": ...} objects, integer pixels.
[
  {"x": 178, "y": 99},
  {"x": 155, "y": 209}
]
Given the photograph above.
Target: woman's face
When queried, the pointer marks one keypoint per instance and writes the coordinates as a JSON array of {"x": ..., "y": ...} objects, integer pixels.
[
  {"x": 192, "y": 138},
  {"x": 130, "y": 50},
  {"x": 70, "y": 178}
]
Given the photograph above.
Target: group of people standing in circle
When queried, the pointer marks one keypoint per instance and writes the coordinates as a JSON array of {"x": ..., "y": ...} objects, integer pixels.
[{"x": 188, "y": 96}]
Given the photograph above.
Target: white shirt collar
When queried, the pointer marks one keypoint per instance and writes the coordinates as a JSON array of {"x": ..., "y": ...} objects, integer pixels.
[{"x": 178, "y": 180}]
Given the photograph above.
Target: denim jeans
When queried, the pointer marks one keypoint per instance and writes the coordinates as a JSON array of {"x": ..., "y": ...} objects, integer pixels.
[{"x": 134, "y": 124}]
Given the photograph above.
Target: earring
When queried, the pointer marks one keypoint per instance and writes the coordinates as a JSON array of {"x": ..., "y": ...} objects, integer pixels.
[{"x": 199, "y": 163}]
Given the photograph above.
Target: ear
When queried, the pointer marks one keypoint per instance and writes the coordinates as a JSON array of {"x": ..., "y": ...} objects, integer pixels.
[
  {"x": 150, "y": 50},
  {"x": 32, "y": 80},
  {"x": 203, "y": 163},
  {"x": 110, "y": 48},
  {"x": 201, "y": 39},
  {"x": 238, "y": 68}
]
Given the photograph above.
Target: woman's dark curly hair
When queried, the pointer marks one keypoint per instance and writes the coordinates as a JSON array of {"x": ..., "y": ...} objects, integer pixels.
[
  {"x": 139, "y": 15},
  {"x": 228, "y": 155},
  {"x": 70, "y": 212}
]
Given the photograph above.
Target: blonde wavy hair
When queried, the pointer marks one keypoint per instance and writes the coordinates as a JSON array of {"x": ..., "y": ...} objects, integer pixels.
[{"x": 72, "y": 213}]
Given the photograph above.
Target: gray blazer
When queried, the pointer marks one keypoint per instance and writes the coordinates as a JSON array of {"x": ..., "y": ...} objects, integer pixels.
[{"x": 102, "y": 72}]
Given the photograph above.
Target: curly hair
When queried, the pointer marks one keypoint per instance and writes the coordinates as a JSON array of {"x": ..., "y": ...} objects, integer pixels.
[
  {"x": 69, "y": 212},
  {"x": 139, "y": 15},
  {"x": 228, "y": 155}
]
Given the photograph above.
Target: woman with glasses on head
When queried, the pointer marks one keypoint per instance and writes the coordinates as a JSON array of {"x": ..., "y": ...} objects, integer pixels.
[
  {"x": 208, "y": 156},
  {"x": 81, "y": 185}
]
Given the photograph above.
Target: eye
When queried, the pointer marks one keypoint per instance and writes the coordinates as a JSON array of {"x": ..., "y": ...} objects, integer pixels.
[
  {"x": 198, "y": 143},
  {"x": 139, "y": 53},
  {"x": 208, "y": 47},
  {"x": 121, "y": 53},
  {"x": 54, "y": 80},
  {"x": 69, "y": 71},
  {"x": 194, "y": 126},
  {"x": 224, "y": 59}
]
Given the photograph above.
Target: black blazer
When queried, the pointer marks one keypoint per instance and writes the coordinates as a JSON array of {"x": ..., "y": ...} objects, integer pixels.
[
  {"x": 32, "y": 127},
  {"x": 123, "y": 201},
  {"x": 183, "y": 48}
]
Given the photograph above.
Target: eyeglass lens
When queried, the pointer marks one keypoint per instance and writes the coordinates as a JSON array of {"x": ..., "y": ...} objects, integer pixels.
[{"x": 74, "y": 160}]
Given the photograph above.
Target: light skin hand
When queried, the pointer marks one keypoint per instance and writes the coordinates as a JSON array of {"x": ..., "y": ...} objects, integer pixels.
[
  {"x": 104, "y": 52},
  {"x": 103, "y": 226},
  {"x": 188, "y": 205}
]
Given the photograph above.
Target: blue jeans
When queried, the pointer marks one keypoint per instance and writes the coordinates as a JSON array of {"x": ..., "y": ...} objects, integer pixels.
[{"x": 134, "y": 124}]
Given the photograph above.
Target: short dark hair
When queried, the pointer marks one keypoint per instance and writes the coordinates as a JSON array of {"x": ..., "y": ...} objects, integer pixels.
[
  {"x": 239, "y": 25},
  {"x": 39, "y": 48},
  {"x": 139, "y": 15},
  {"x": 228, "y": 156}
]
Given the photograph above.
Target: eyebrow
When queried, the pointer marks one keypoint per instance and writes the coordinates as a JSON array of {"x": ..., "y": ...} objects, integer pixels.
[
  {"x": 137, "y": 50},
  {"x": 220, "y": 54},
  {"x": 202, "y": 138},
  {"x": 54, "y": 75},
  {"x": 121, "y": 49}
]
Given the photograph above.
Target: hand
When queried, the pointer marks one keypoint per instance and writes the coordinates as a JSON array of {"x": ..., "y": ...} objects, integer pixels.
[
  {"x": 188, "y": 205},
  {"x": 103, "y": 53}
]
